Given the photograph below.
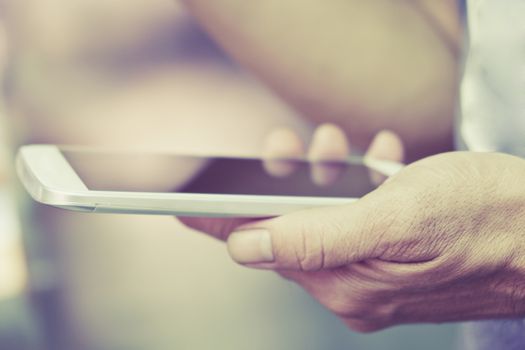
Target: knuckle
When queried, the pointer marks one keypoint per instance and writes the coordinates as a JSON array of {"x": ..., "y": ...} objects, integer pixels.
[
  {"x": 385, "y": 313},
  {"x": 363, "y": 326},
  {"x": 364, "y": 305},
  {"x": 340, "y": 307},
  {"x": 348, "y": 307},
  {"x": 310, "y": 249}
]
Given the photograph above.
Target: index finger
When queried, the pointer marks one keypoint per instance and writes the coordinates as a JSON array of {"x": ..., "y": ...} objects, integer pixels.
[
  {"x": 280, "y": 145},
  {"x": 330, "y": 147}
]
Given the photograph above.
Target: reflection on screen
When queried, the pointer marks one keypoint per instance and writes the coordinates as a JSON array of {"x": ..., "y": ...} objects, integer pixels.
[{"x": 144, "y": 172}]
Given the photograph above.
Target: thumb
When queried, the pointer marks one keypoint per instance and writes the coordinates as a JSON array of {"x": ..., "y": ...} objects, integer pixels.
[{"x": 313, "y": 239}]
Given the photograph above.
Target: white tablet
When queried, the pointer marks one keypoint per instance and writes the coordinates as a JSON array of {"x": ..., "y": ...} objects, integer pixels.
[{"x": 104, "y": 181}]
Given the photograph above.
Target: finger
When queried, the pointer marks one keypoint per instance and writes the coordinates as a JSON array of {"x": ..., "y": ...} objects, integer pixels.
[
  {"x": 279, "y": 145},
  {"x": 321, "y": 238},
  {"x": 386, "y": 145},
  {"x": 329, "y": 143}
]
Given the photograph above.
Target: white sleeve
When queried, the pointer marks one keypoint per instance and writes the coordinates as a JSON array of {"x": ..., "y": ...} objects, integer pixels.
[{"x": 493, "y": 87}]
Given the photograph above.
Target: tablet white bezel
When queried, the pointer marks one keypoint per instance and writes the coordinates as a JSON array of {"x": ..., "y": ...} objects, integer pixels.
[{"x": 50, "y": 179}]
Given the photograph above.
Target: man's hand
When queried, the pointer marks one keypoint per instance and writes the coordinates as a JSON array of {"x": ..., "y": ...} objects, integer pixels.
[
  {"x": 440, "y": 241},
  {"x": 365, "y": 65}
]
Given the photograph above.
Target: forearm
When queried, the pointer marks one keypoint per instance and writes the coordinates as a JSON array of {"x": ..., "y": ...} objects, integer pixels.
[{"x": 337, "y": 60}]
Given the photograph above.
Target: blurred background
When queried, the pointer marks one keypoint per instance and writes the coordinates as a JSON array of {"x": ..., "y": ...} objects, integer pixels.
[{"x": 140, "y": 74}]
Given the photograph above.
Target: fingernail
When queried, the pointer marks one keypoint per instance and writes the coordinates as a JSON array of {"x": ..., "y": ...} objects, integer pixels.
[{"x": 251, "y": 246}]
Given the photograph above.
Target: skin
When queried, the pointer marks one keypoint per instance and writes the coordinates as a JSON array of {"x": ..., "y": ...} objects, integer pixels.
[
  {"x": 364, "y": 65},
  {"x": 440, "y": 241}
]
